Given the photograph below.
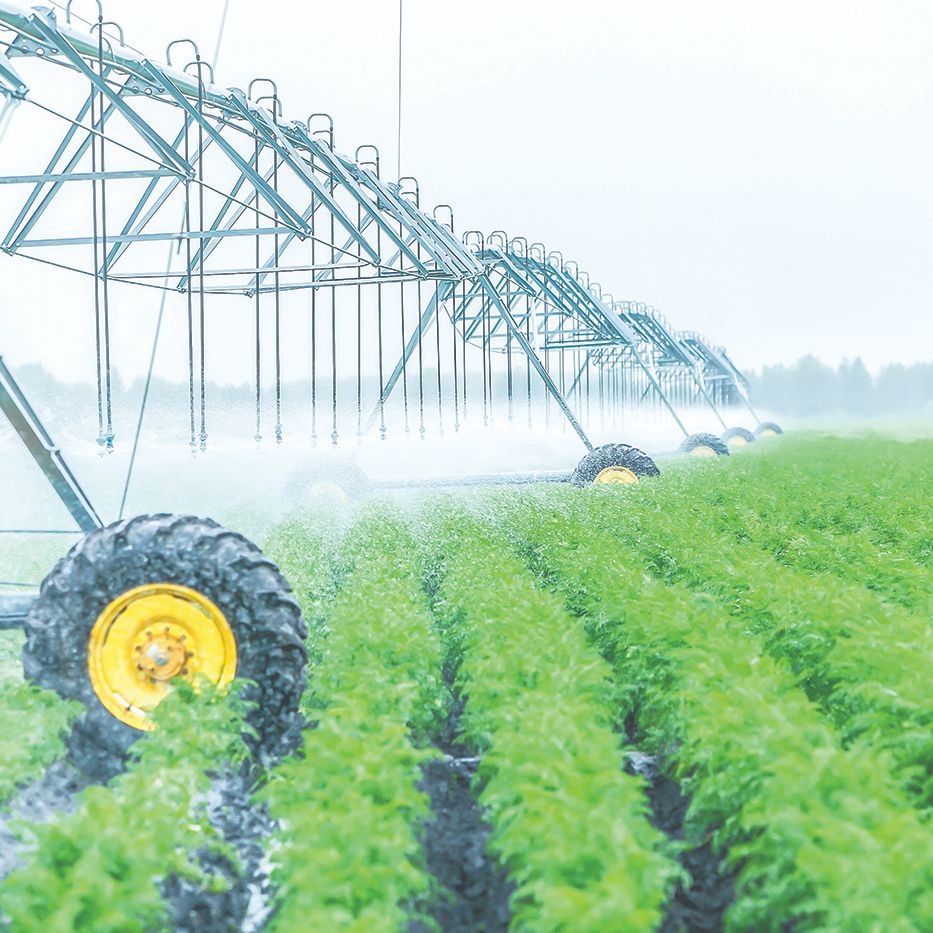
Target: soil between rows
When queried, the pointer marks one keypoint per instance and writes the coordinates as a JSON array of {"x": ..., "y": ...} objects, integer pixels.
[
  {"x": 698, "y": 906},
  {"x": 473, "y": 890}
]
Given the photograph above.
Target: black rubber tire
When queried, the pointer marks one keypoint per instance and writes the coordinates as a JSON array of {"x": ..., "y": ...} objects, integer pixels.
[
  {"x": 344, "y": 474},
  {"x": 610, "y": 455},
  {"x": 196, "y": 552},
  {"x": 716, "y": 444},
  {"x": 768, "y": 426},
  {"x": 744, "y": 433}
]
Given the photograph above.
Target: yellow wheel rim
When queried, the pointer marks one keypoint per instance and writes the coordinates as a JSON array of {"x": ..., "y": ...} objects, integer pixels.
[
  {"x": 737, "y": 441},
  {"x": 767, "y": 432},
  {"x": 616, "y": 474},
  {"x": 702, "y": 451},
  {"x": 147, "y": 637}
]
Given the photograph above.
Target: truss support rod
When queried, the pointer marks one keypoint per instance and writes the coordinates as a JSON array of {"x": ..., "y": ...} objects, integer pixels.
[
  {"x": 166, "y": 154},
  {"x": 49, "y": 458},
  {"x": 18, "y": 231},
  {"x": 551, "y": 386},
  {"x": 443, "y": 291},
  {"x": 579, "y": 374},
  {"x": 700, "y": 385},
  {"x": 269, "y": 196},
  {"x": 623, "y": 330}
]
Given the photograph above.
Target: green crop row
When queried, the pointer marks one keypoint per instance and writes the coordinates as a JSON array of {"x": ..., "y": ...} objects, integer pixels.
[
  {"x": 347, "y": 852},
  {"x": 872, "y": 489},
  {"x": 568, "y": 822},
  {"x": 100, "y": 868},
  {"x": 762, "y": 500},
  {"x": 867, "y": 662},
  {"x": 820, "y": 837}
]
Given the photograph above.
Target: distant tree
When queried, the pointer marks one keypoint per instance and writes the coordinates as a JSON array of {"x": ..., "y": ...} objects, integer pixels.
[
  {"x": 810, "y": 387},
  {"x": 856, "y": 391}
]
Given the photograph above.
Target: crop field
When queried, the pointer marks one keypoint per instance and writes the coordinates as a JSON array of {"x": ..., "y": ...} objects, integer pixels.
[{"x": 701, "y": 702}]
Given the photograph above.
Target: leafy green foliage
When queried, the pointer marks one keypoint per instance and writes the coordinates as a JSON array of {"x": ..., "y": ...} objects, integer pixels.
[
  {"x": 821, "y": 836},
  {"x": 100, "y": 867},
  {"x": 569, "y": 823},
  {"x": 32, "y": 724},
  {"x": 349, "y": 809},
  {"x": 816, "y": 507},
  {"x": 865, "y": 660},
  {"x": 761, "y": 624}
]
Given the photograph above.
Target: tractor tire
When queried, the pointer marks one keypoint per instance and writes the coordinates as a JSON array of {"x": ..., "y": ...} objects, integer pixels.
[
  {"x": 614, "y": 460},
  {"x": 768, "y": 429},
  {"x": 704, "y": 445},
  {"x": 165, "y": 554},
  {"x": 737, "y": 437},
  {"x": 345, "y": 476}
]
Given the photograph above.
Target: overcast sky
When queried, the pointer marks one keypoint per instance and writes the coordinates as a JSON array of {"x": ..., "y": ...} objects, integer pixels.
[{"x": 759, "y": 172}]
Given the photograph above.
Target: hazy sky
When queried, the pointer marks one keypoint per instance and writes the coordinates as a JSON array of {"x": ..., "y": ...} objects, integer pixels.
[{"x": 760, "y": 172}]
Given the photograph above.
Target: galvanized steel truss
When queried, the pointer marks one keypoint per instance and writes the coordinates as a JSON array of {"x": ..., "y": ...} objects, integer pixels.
[{"x": 261, "y": 207}]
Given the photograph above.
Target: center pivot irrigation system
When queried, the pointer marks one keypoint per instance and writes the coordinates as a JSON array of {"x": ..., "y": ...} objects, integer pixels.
[{"x": 163, "y": 180}]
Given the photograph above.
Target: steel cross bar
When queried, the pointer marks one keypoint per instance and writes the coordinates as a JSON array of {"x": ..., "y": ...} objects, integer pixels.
[
  {"x": 559, "y": 295},
  {"x": 271, "y": 132},
  {"x": 701, "y": 385},
  {"x": 330, "y": 271},
  {"x": 167, "y": 155},
  {"x": 442, "y": 293},
  {"x": 208, "y": 246},
  {"x": 727, "y": 370},
  {"x": 407, "y": 215},
  {"x": 616, "y": 321},
  {"x": 15, "y": 87},
  {"x": 151, "y": 237},
  {"x": 120, "y": 247},
  {"x": 434, "y": 237},
  {"x": 15, "y": 234},
  {"x": 350, "y": 184},
  {"x": 256, "y": 181},
  {"x": 545, "y": 274},
  {"x": 595, "y": 309},
  {"x": 535, "y": 361},
  {"x": 85, "y": 176}
]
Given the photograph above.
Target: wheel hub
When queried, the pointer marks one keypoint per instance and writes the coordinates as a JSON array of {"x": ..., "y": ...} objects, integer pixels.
[
  {"x": 616, "y": 474},
  {"x": 737, "y": 441},
  {"x": 162, "y": 656},
  {"x": 147, "y": 637},
  {"x": 701, "y": 450}
]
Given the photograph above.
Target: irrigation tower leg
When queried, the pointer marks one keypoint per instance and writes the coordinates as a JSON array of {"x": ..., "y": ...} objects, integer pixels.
[
  {"x": 549, "y": 383},
  {"x": 443, "y": 291},
  {"x": 26, "y": 423}
]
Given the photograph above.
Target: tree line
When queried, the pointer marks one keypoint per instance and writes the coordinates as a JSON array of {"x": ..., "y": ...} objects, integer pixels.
[{"x": 810, "y": 387}]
